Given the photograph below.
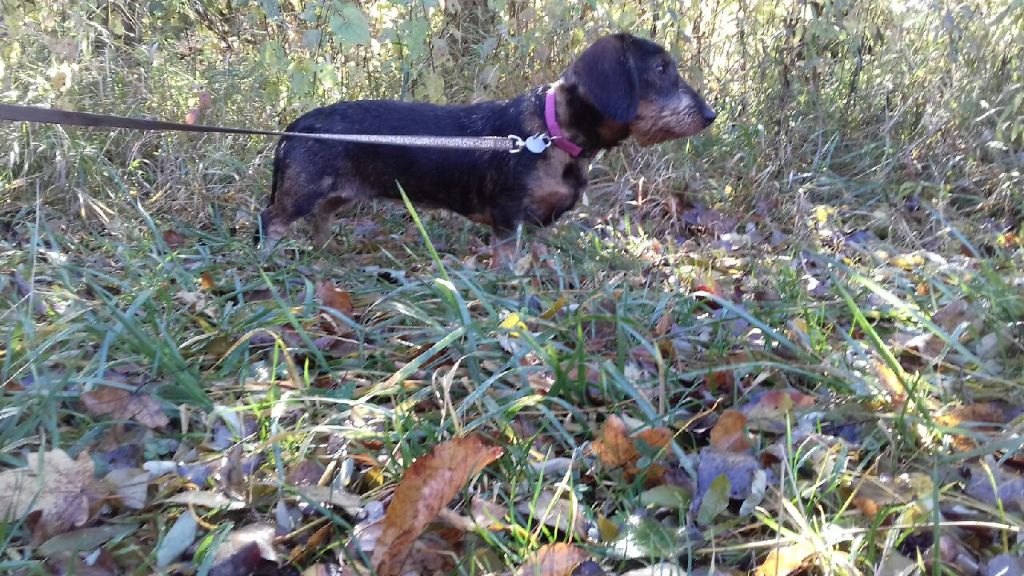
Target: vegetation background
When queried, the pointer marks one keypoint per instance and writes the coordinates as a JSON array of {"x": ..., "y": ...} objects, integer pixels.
[{"x": 848, "y": 233}]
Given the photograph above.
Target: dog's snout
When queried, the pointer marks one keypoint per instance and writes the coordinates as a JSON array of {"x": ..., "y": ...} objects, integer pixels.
[{"x": 709, "y": 115}]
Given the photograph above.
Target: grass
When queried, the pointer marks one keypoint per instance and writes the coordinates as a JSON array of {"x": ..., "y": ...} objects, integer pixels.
[{"x": 858, "y": 245}]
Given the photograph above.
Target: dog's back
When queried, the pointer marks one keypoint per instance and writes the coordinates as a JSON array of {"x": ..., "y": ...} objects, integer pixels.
[{"x": 619, "y": 86}]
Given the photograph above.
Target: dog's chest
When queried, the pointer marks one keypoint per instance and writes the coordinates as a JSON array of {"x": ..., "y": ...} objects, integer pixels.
[{"x": 554, "y": 187}]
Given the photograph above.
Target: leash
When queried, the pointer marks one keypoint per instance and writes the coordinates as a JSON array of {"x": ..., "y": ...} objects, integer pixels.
[{"x": 511, "y": 143}]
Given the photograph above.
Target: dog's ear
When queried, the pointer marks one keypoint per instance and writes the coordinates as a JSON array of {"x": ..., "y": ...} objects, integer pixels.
[{"x": 607, "y": 77}]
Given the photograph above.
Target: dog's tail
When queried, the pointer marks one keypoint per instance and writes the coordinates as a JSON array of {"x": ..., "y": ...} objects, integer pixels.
[{"x": 278, "y": 170}]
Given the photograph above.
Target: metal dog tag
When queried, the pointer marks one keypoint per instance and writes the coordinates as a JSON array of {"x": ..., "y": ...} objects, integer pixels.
[{"x": 538, "y": 143}]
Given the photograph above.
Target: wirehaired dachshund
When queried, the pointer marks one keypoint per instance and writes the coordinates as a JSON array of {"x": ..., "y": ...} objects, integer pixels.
[{"x": 620, "y": 86}]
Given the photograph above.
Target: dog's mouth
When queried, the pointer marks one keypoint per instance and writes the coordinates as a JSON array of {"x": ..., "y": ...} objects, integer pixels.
[{"x": 680, "y": 117}]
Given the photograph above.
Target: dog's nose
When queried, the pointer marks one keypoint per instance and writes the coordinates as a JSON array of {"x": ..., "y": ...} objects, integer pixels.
[{"x": 709, "y": 115}]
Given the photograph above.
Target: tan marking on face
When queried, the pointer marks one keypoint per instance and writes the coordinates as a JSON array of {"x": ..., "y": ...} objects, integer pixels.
[
  {"x": 660, "y": 121},
  {"x": 482, "y": 218}
]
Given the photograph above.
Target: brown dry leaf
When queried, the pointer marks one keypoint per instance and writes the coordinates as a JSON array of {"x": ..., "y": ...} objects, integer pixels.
[
  {"x": 207, "y": 281},
  {"x": 615, "y": 448},
  {"x": 785, "y": 560},
  {"x": 720, "y": 381},
  {"x": 122, "y": 404},
  {"x": 950, "y": 316},
  {"x": 130, "y": 486},
  {"x": 778, "y": 403},
  {"x": 246, "y": 550},
  {"x": 769, "y": 410},
  {"x": 875, "y": 493},
  {"x": 553, "y": 560},
  {"x": 664, "y": 323},
  {"x": 316, "y": 544},
  {"x": 655, "y": 437},
  {"x": 729, "y": 434},
  {"x": 427, "y": 487},
  {"x": 53, "y": 484},
  {"x": 710, "y": 285},
  {"x": 998, "y": 413},
  {"x": 488, "y": 515},
  {"x": 331, "y": 296},
  {"x": 173, "y": 239}
]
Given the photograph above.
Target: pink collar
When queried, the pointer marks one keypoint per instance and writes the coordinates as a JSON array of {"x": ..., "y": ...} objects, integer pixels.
[{"x": 554, "y": 130}]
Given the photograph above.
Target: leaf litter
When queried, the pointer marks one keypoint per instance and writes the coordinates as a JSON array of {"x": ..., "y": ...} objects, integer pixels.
[{"x": 642, "y": 425}]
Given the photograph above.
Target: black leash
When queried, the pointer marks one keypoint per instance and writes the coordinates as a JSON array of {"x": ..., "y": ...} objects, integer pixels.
[{"x": 512, "y": 143}]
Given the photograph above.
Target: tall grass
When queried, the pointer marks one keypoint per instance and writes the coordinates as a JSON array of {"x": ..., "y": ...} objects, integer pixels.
[{"x": 125, "y": 257}]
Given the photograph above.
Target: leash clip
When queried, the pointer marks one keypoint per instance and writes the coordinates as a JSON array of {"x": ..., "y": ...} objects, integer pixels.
[{"x": 536, "y": 144}]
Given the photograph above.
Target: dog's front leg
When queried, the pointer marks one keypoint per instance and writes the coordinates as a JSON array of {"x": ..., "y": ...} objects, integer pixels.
[
  {"x": 503, "y": 252},
  {"x": 506, "y": 229}
]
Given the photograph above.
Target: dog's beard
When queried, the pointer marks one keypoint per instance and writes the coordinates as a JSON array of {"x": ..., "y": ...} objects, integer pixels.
[{"x": 677, "y": 118}]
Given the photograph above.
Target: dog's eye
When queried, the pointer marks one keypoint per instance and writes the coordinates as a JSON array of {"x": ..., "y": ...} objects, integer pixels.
[{"x": 661, "y": 68}]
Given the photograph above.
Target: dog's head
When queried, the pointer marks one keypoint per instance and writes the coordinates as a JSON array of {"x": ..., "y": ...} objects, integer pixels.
[{"x": 634, "y": 82}]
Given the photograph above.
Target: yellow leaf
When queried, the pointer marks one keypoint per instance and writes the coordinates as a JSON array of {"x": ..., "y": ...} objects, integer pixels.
[
  {"x": 785, "y": 560},
  {"x": 553, "y": 560}
]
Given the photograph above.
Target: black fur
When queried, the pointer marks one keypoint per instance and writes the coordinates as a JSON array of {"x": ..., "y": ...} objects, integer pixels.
[{"x": 603, "y": 99}]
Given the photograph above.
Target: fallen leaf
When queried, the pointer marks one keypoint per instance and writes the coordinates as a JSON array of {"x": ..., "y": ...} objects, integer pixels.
[
  {"x": 53, "y": 484},
  {"x": 770, "y": 411},
  {"x": 173, "y": 239},
  {"x": 206, "y": 499},
  {"x": 714, "y": 501},
  {"x": 207, "y": 281},
  {"x": 616, "y": 448},
  {"x": 427, "y": 486},
  {"x": 553, "y": 560},
  {"x": 330, "y": 296},
  {"x": 245, "y": 550},
  {"x": 559, "y": 513},
  {"x": 785, "y": 559},
  {"x": 708, "y": 285},
  {"x": 98, "y": 563},
  {"x": 1005, "y": 565},
  {"x": 874, "y": 493},
  {"x": 660, "y": 569},
  {"x": 891, "y": 383},
  {"x": 664, "y": 323},
  {"x": 130, "y": 486},
  {"x": 313, "y": 546},
  {"x": 666, "y": 496},
  {"x": 124, "y": 404},
  {"x": 721, "y": 381},
  {"x": 176, "y": 540},
  {"x": 350, "y": 503},
  {"x": 487, "y": 514},
  {"x": 994, "y": 485},
  {"x": 84, "y": 539},
  {"x": 729, "y": 434},
  {"x": 739, "y": 468}
]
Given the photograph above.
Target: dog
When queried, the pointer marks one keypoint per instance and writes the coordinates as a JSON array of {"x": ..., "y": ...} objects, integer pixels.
[{"x": 621, "y": 86}]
